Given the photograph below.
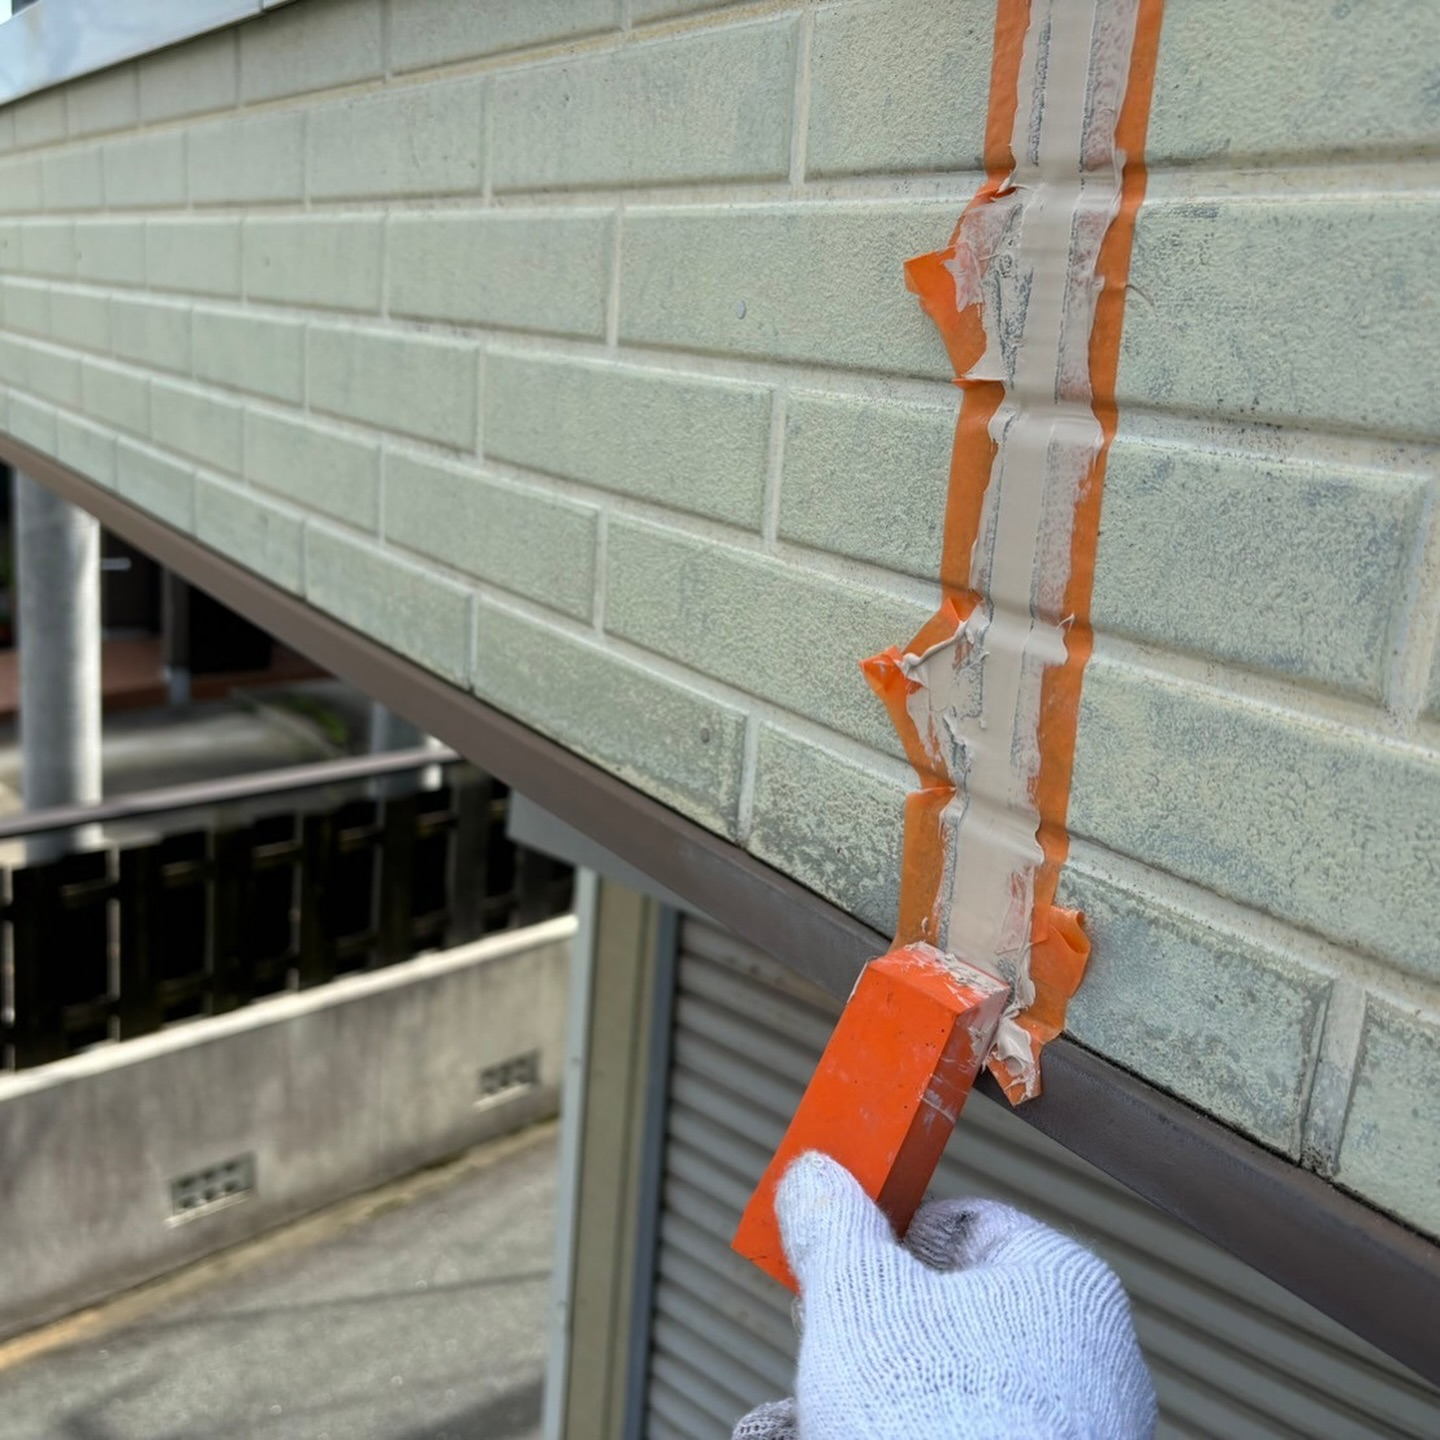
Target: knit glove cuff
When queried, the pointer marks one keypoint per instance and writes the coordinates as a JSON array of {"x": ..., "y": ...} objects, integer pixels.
[{"x": 985, "y": 1323}]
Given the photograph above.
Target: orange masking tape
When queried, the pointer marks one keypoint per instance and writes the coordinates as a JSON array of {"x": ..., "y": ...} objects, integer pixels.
[{"x": 888, "y": 1090}]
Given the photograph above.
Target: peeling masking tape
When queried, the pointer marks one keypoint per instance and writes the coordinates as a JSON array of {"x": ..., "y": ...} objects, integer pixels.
[{"x": 1029, "y": 299}]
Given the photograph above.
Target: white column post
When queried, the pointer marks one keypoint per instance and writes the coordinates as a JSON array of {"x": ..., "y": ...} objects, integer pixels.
[{"x": 57, "y": 552}]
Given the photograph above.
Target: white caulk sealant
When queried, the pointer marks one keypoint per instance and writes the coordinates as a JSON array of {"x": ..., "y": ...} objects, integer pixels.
[{"x": 1029, "y": 257}]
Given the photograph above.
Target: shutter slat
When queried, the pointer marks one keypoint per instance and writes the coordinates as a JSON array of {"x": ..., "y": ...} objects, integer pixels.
[
  {"x": 722, "y": 1407},
  {"x": 751, "y": 1288},
  {"x": 1232, "y": 1354},
  {"x": 720, "y": 1300},
  {"x": 780, "y": 1056},
  {"x": 732, "y": 956},
  {"x": 702, "y": 1174},
  {"x": 676, "y": 1411},
  {"x": 745, "y": 1367},
  {"x": 740, "y": 1156},
  {"x": 762, "y": 1129},
  {"x": 751, "y": 998},
  {"x": 717, "y": 1066}
]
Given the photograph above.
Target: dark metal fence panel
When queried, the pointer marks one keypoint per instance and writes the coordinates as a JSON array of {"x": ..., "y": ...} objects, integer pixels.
[
  {"x": 111, "y": 944},
  {"x": 317, "y": 950},
  {"x": 231, "y": 955},
  {"x": 38, "y": 1005},
  {"x": 140, "y": 897}
]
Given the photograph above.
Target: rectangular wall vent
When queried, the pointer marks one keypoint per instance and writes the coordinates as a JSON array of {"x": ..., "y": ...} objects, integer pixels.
[
  {"x": 203, "y": 1192},
  {"x": 509, "y": 1078}
]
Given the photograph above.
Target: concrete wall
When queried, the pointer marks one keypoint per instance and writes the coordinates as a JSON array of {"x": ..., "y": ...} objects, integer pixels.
[
  {"x": 331, "y": 1092},
  {"x": 564, "y": 348}
]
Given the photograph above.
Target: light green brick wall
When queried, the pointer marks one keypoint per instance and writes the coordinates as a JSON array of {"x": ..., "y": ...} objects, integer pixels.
[{"x": 563, "y": 347}]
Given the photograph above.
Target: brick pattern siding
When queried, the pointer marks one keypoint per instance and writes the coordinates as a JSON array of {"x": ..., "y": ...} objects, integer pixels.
[{"x": 563, "y": 347}]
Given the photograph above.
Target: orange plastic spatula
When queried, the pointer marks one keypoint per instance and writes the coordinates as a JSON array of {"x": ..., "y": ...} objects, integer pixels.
[{"x": 888, "y": 1089}]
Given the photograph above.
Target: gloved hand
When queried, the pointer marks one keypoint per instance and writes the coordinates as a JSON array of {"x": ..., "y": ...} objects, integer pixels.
[{"x": 983, "y": 1325}]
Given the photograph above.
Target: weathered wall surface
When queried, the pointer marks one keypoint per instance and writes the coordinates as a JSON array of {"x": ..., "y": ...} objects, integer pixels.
[{"x": 564, "y": 348}]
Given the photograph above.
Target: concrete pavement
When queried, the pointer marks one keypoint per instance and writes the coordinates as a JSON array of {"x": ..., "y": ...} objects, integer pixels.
[{"x": 415, "y": 1313}]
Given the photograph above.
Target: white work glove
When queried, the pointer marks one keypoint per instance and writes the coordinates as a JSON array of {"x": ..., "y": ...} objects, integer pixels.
[{"x": 983, "y": 1325}]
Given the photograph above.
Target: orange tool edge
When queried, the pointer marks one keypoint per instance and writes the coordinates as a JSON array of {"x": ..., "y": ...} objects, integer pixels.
[{"x": 888, "y": 1090}]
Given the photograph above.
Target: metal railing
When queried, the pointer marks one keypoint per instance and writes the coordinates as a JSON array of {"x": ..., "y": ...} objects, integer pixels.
[{"x": 120, "y": 940}]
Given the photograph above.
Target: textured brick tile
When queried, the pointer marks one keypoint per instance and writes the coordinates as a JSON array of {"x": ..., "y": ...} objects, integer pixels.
[
  {"x": 314, "y": 467},
  {"x": 13, "y": 367},
  {"x": 104, "y": 102},
  {"x": 418, "y": 140},
  {"x": 687, "y": 443},
  {"x": 73, "y": 179},
  {"x": 526, "y": 542},
  {"x": 1228, "y": 1023},
  {"x": 310, "y": 47},
  {"x": 196, "y": 424},
  {"x": 80, "y": 318},
  {"x": 262, "y": 536},
  {"x": 254, "y": 160},
  {"x": 1346, "y": 80},
  {"x": 86, "y": 448},
  {"x": 641, "y": 10},
  {"x": 1269, "y": 604},
  {"x": 329, "y": 263},
  {"x": 145, "y": 171},
  {"x": 690, "y": 280},
  {"x": 110, "y": 252},
  {"x": 765, "y": 626},
  {"x": 867, "y": 478},
  {"x": 191, "y": 79},
  {"x": 118, "y": 396},
  {"x": 436, "y": 32},
  {"x": 53, "y": 375},
  {"x": 1390, "y": 1152},
  {"x": 831, "y": 824},
  {"x": 523, "y": 270},
  {"x": 47, "y": 247},
  {"x": 250, "y": 352},
  {"x": 32, "y": 423},
  {"x": 200, "y": 257},
  {"x": 421, "y": 615},
  {"x": 672, "y": 741},
  {"x": 710, "y": 106},
  {"x": 1232, "y": 284},
  {"x": 27, "y": 307},
  {"x": 20, "y": 185},
  {"x": 900, "y": 85},
  {"x": 151, "y": 332},
  {"x": 1324, "y": 828},
  {"x": 156, "y": 483},
  {"x": 420, "y": 387},
  {"x": 40, "y": 119}
]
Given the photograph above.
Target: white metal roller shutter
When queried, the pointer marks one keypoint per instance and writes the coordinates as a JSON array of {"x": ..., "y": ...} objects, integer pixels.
[{"x": 1233, "y": 1354}]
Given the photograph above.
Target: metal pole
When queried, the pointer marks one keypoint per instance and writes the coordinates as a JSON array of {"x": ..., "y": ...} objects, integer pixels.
[
  {"x": 57, "y": 552},
  {"x": 572, "y": 1144}
]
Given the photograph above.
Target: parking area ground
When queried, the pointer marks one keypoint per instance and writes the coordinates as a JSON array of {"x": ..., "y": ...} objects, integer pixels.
[{"x": 415, "y": 1313}]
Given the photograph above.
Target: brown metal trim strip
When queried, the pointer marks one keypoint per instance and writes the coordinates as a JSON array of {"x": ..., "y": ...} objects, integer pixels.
[{"x": 1369, "y": 1272}]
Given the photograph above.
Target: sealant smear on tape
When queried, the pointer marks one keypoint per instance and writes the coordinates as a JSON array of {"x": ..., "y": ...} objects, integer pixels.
[{"x": 1028, "y": 297}]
